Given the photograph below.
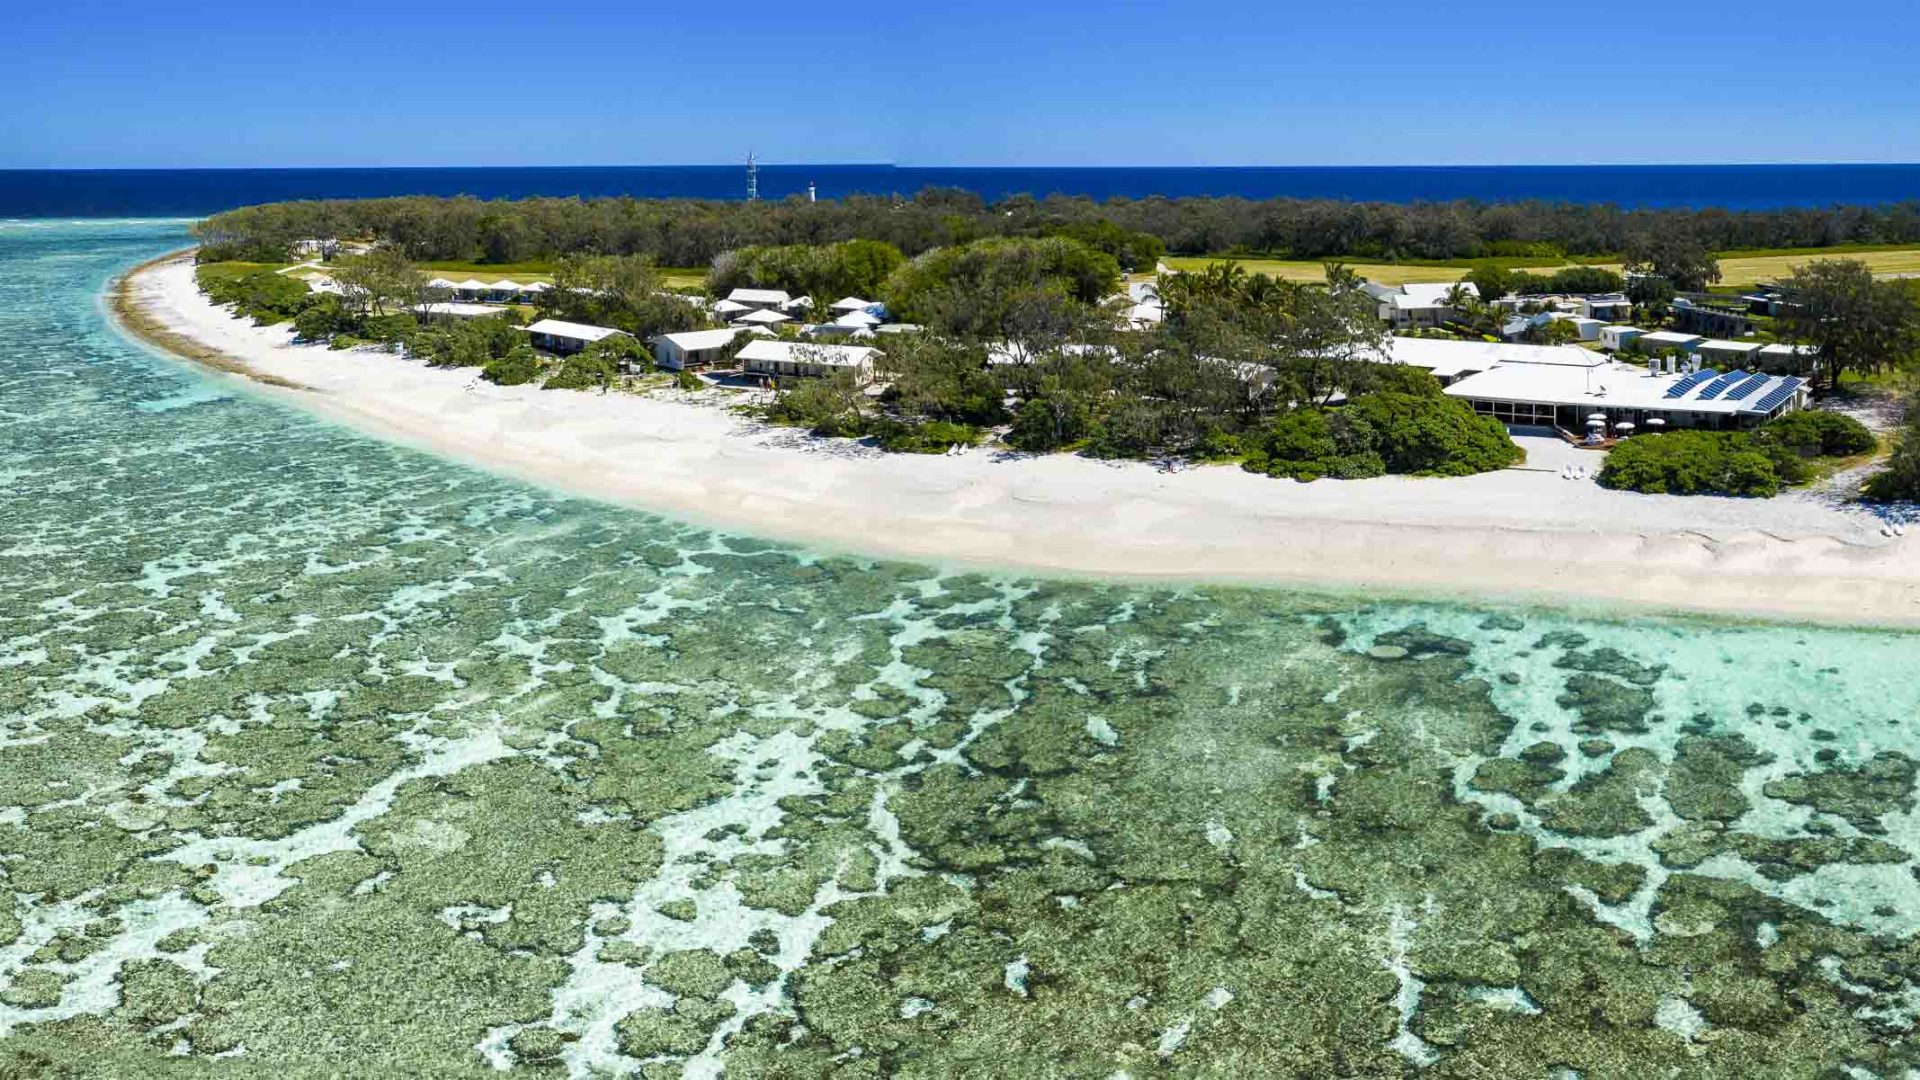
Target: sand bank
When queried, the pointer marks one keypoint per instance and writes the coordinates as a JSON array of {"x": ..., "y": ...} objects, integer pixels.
[{"x": 1523, "y": 534}]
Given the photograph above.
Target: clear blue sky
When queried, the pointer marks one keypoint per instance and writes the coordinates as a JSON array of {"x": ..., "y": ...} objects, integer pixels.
[{"x": 1216, "y": 82}]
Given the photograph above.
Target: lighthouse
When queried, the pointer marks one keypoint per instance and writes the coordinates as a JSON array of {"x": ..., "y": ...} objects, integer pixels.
[{"x": 813, "y": 195}]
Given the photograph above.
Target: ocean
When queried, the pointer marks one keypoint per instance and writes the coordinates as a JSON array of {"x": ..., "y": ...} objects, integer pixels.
[
  {"x": 197, "y": 192},
  {"x": 323, "y": 756}
]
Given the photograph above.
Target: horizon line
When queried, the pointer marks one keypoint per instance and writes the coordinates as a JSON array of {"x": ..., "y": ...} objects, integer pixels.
[{"x": 905, "y": 166}]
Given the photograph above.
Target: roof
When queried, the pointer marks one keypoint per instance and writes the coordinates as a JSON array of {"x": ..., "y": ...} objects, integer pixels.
[
  {"x": 1449, "y": 358},
  {"x": 575, "y": 331},
  {"x": 767, "y": 350},
  {"x": 759, "y": 296},
  {"x": 1741, "y": 347},
  {"x": 857, "y": 318},
  {"x": 1432, "y": 293},
  {"x": 441, "y": 283},
  {"x": 695, "y": 340},
  {"x": 471, "y": 283},
  {"x": 724, "y": 306},
  {"x": 1623, "y": 328},
  {"x": 1783, "y": 349},
  {"x": 506, "y": 285},
  {"x": 1670, "y": 337},
  {"x": 459, "y": 311},
  {"x": 764, "y": 316},
  {"x": 851, "y": 303},
  {"x": 1621, "y": 386}
]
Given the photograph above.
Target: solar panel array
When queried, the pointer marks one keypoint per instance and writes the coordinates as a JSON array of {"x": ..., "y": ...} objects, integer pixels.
[
  {"x": 1746, "y": 386},
  {"x": 1680, "y": 388},
  {"x": 1778, "y": 396},
  {"x": 1718, "y": 386}
]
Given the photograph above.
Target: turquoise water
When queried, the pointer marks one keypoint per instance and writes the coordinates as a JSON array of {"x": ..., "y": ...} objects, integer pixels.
[{"x": 320, "y": 757}]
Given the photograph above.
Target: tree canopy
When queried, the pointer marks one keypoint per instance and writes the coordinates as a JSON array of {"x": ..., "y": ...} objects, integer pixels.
[{"x": 1859, "y": 324}]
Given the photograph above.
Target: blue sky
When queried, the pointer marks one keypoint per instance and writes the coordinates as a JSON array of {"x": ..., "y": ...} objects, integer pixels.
[{"x": 1215, "y": 82}]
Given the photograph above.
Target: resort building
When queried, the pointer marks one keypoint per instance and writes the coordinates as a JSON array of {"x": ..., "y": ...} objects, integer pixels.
[
  {"x": 849, "y": 303},
  {"x": 454, "y": 310},
  {"x": 764, "y": 299},
  {"x": 1736, "y": 354},
  {"x": 1708, "y": 315},
  {"x": 729, "y": 310},
  {"x": 565, "y": 338},
  {"x": 1783, "y": 359},
  {"x": 1450, "y": 361},
  {"x": 1419, "y": 304},
  {"x": 1607, "y": 308},
  {"x": 1619, "y": 337},
  {"x": 1663, "y": 341},
  {"x": 1621, "y": 398},
  {"x": 763, "y": 317},
  {"x": 696, "y": 350},
  {"x": 788, "y": 359}
]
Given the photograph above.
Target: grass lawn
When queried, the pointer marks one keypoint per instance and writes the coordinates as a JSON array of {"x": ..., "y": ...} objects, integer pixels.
[
  {"x": 230, "y": 270},
  {"x": 1291, "y": 270},
  {"x": 1736, "y": 270},
  {"x": 526, "y": 273}
]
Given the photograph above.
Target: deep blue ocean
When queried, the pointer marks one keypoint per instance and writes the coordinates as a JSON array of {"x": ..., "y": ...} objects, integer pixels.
[{"x": 180, "y": 192}]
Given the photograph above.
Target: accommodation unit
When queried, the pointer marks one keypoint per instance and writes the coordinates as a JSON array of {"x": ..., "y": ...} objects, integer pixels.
[
  {"x": 1588, "y": 329},
  {"x": 1665, "y": 341},
  {"x": 1607, "y": 308},
  {"x": 788, "y": 359},
  {"x": 1712, "y": 318},
  {"x": 565, "y": 338},
  {"x": 1619, "y": 336},
  {"x": 1424, "y": 304},
  {"x": 696, "y": 349},
  {"x": 454, "y": 310},
  {"x": 1728, "y": 354},
  {"x": 763, "y": 299},
  {"x": 728, "y": 310},
  {"x": 763, "y": 317},
  {"x": 1788, "y": 359},
  {"x": 1565, "y": 396},
  {"x": 849, "y": 303}
]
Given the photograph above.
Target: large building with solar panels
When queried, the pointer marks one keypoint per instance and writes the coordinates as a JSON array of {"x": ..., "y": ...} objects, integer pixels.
[{"x": 1578, "y": 390}]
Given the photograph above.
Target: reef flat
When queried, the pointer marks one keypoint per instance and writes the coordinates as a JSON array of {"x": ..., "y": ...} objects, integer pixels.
[{"x": 320, "y": 757}]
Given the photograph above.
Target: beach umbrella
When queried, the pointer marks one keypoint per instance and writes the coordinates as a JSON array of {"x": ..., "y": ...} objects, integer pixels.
[
  {"x": 1656, "y": 422},
  {"x": 1600, "y": 416},
  {"x": 1597, "y": 422},
  {"x": 1624, "y": 425}
]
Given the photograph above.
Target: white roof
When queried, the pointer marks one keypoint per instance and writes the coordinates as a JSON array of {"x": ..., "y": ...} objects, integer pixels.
[
  {"x": 1617, "y": 386},
  {"x": 1623, "y": 328},
  {"x": 1740, "y": 347},
  {"x": 506, "y": 285},
  {"x": 572, "y": 330},
  {"x": 535, "y": 286},
  {"x": 441, "y": 283},
  {"x": 898, "y": 328},
  {"x": 696, "y": 340},
  {"x": 1431, "y": 293},
  {"x": 724, "y": 306},
  {"x": 857, "y": 318},
  {"x": 763, "y": 316},
  {"x": 459, "y": 311},
  {"x": 470, "y": 283},
  {"x": 768, "y": 350},
  {"x": 1449, "y": 358},
  {"x": 1670, "y": 337},
  {"x": 1783, "y": 349},
  {"x": 759, "y": 296},
  {"x": 851, "y": 303}
]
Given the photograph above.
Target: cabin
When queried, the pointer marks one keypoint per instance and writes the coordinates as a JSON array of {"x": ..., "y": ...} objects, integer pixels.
[
  {"x": 454, "y": 311},
  {"x": 790, "y": 359},
  {"x": 763, "y": 317},
  {"x": 1782, "y": 359},
  {"x": 566, "y": 338},
  {"x": 849, "y": 303},
  {"x": 1664, "y": 341},
  {"x": 695, "y": 350},
  {"x": 1725, "y": 354},
  {"x": 1619, "y": 336},
  {"x": 762, "y": 299}
]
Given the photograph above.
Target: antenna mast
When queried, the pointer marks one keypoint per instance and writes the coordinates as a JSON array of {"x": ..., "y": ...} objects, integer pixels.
[{"x": 753, "y": 179}]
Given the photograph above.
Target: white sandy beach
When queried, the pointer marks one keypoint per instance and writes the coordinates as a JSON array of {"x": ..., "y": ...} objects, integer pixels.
[{"x": 1520, "y": 534}]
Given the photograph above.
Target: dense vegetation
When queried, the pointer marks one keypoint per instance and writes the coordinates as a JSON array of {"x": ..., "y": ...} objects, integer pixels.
[
  {"x": 1415, "y": 430},
  {"x": 1900, "y": 481},
  {"x": 693, "y": 233},
  {"x": 262, "y": 295},
  {"x": 823, "y": 271},
  {"x": 1753, "y": 464}
]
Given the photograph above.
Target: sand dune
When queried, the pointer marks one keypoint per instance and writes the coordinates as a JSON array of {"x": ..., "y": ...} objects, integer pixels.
[{"x": 1521, "y": 533}]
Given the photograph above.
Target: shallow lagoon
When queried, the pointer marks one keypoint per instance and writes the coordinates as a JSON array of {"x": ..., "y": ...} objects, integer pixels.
[{"x": 322, "y": 757}]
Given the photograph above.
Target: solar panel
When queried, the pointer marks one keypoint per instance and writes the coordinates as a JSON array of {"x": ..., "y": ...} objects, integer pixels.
[
  {"x": 1745, "y": 386},
  {"x": 1778, "y": 396},
  {"x": 1715, "y": 388},
  {"x": 1680, "y": 388}
]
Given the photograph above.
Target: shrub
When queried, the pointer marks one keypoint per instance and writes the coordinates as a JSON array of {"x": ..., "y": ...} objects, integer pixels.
[
  {"x": 1388, "y": 432},
  {"x": 520, "y": 365},
  {"x": 1813, "y": 433},
  {"x": 584, "y": 370},
  {"x": 261, "y": 295},
  {"x": 1049, "y": 422},
  {"x": 929, "y": 437},
  {"x": 687, "y": 380},
  {"x": 823, "y": 406},
  {"x": 1691, "y": 463},
  {"x": 321, "y": 319},
  {"x": 1900, "y": 481}
]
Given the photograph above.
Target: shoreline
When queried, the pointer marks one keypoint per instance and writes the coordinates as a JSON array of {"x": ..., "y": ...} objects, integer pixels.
[{"x": 1517, "y": 536}]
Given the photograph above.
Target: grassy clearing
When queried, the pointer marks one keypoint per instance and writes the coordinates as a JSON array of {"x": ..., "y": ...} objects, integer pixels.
[
  {"x": 1300, "y": 270},
  {"x": 1737, "y": 270},
  {"x": 226, "y": 271},
  {"x": 676, "y": 277}
]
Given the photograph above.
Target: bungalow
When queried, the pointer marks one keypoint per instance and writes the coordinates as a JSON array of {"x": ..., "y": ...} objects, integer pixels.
[
  {"x": 763, "y": 317},
  {"x": 728, "y": 310},
  {"x": 564, "y": 338},
  {"x": 453, "y": 310},
  {"x": 470, "y": 289},
  {"x": 1711, "y": 316},
  {"x": 1789, "y": 359},
  {"x": 695, "y": 349},
  {"x": 764, "y": 299},
  {"x": 1423, "y": 304},
  {"x": 1615, "y": 338},
  {"x": 836, "y": 329},
  {"x": 505, "y": 290},
  {"x": 1607, "y": 308},
  {"x": 788, "y": 359},
  {"x": 1729, "y": 354},
  {"x": 849, "y": 303},
  {"x": 798, "y": 306},
  {"x": 1662, "y": 341},
  {"x": 1588, "y": 329}
]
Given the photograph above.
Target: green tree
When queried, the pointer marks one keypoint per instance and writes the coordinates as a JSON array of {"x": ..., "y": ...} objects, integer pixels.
[
  {"x": 382, "y": 282},
  {"x": 1857, "y": 323},
  {"x": 1674, "y": 254},
  {"x": 1491, "y": 279}
]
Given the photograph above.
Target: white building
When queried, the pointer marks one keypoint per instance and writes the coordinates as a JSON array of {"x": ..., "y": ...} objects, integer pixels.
[
  {"x": 1619, "y": 336},
  {"x": 1565, "y": 397},
  {"x": 764, "y": 299},
  {"x": 789, "y": 359},
  {"x": 562, "y": 338},
  {"x": 1737, "y": 354},
  {"x": 1661, "y": 341},
  {"x": 849, "y": 303},
  {"x": 695, "y": 349},
  {"x": 455, "y": 310},
  {"x": 1419, "y": 303},
  {"x": 763, "y": 317},
  {"x": 1449, "y": 361},
  {"x": 728, "y": 310}
]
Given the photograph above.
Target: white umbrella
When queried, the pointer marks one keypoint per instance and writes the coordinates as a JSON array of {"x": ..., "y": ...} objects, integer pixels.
[
  {"x": 1600, "y": 416},
  {"x": 1596, "y": 422},
  {"x": 1656, "y": 422},
  {"x": 1624, "y": 425}
]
